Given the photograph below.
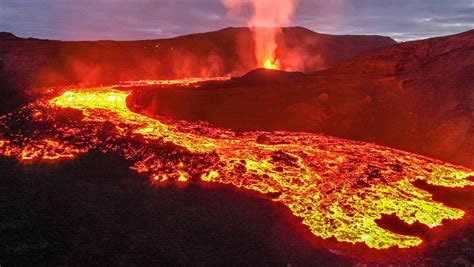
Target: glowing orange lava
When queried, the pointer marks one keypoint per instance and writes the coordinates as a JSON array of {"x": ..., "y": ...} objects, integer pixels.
[
  {"x": 184, "y": 81},
  {"x": 338, "y": 187},
  {"x": 271, "y": 64}
]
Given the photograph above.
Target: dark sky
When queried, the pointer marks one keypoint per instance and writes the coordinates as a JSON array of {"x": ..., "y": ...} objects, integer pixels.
[{"x": 149, "y": 19}]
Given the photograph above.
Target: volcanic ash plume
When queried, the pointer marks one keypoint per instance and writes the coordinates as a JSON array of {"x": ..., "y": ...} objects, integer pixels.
[{"x": 268, "y": 16}]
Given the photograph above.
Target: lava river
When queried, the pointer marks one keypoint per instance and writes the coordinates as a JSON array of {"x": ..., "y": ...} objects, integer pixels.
[{"x": 338, "y": 187}]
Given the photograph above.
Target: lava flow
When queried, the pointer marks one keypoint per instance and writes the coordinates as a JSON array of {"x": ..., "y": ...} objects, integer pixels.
[{"x": 338, "y": 187}]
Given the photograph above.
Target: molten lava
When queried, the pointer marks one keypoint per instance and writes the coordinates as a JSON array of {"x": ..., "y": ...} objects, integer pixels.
[
  {"x": 271, "y": 65},
  {"x": 338, "y": 187}
]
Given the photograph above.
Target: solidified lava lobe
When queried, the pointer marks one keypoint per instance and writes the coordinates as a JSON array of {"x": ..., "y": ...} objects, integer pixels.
[{"x": 338, "y": 187}]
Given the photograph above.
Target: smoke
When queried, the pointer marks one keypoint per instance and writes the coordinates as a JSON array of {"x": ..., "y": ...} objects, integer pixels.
[{"x": 268, "y": 16}]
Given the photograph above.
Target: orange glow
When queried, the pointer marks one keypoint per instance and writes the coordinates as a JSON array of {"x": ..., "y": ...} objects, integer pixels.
[
  {"x": 271, "y": 65},
  {"x": 183, "y": 82},
  {"x": 268, "y": 16},
  {"x": 338, "y": 187},
  {"x": 45, "y": 150}
]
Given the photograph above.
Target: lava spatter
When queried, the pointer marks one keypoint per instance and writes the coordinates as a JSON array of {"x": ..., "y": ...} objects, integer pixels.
[{"x": 338, "y": 187}]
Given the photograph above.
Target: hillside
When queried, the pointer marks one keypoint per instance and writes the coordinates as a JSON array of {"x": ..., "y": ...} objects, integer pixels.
[
  {"x": 416, "y": 96},
  {"x": 224, "y": 52}
]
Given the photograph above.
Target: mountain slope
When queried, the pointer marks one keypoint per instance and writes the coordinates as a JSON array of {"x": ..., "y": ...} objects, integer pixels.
[
  {"x": 224, "y": 52},
  {"x": 416, "y": 96}
]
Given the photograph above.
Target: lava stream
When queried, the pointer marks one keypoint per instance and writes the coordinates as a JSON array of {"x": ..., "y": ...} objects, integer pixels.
[{"x": 338, "y": 187}]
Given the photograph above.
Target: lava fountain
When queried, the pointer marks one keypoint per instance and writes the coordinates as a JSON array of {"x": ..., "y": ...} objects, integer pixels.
[{"x": 268, "y": 16}]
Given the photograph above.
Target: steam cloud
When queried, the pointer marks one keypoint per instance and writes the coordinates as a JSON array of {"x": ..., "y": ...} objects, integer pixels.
[{"x": 268, "y": 16}]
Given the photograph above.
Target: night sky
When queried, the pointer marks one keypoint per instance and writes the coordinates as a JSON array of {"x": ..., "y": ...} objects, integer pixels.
[{"x": 150, "y": 19}]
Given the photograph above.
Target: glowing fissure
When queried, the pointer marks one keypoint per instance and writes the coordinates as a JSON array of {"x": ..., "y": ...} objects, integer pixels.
[{"x": 338, "y": 187}]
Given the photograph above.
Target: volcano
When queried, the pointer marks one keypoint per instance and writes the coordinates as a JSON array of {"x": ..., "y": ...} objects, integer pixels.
[
  {"x": 31, "y": 63},
  {"x": 416, "y": 96},
  {"x": 171, "y": 168}
]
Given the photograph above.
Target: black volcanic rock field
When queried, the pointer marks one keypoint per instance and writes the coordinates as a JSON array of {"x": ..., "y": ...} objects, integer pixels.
[{"x": 416, "y": 96}]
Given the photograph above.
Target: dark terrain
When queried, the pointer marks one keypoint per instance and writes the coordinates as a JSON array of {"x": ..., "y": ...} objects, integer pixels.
[{"x": 95, "y": 211}]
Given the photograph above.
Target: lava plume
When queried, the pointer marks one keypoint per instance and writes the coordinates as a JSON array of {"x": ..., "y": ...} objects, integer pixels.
[
  {"x": 268, "y": 16},
  {"x": 338, "y": 187}
]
